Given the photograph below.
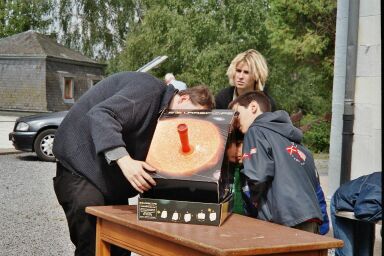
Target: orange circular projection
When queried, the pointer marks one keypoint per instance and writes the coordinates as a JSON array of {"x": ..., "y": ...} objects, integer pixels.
[{"x": 169, "y": 156}]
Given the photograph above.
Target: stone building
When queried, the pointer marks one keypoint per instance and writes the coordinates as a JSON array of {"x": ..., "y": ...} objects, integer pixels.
[{"x": 38, "y": 74}]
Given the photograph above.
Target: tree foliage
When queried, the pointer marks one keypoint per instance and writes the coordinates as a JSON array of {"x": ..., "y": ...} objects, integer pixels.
[
  {"x": 97, "y": 28},
  {"x": 302, "y": 37},
  {"x": 17, "y": 16}
]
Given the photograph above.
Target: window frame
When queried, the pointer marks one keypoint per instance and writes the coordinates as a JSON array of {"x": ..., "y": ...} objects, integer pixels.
[{"x": 70, "y": 97}]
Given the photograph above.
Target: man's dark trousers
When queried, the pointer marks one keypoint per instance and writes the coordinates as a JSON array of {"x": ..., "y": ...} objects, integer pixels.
[{"x": 74, "y": 193}]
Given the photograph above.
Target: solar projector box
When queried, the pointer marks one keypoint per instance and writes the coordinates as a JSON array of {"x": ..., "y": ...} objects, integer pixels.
[{"x": 194, "y": 178}]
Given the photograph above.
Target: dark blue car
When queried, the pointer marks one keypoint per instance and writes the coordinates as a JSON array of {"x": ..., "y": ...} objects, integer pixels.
[{"x": 36, "y": 133}]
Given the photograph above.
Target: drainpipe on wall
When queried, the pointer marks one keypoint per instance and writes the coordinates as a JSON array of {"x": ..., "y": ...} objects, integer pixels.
[{"x": 349, "y": 100}]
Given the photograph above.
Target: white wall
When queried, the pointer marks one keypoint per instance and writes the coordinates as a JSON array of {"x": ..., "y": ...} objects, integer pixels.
[{"x": 366, "y": 149}]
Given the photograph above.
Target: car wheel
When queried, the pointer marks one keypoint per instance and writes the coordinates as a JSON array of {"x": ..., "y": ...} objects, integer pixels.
[{"x": 43, "y": 145}]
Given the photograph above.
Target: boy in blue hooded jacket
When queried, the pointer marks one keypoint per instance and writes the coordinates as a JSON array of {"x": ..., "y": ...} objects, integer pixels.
[{"x": 280, "y": 177}]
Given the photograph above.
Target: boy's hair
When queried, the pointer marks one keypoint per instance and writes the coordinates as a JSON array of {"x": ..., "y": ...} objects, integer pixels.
[
  {"x": 246, "y": 99},
  {"x": 257, "y": 64},
  {"x": 200, "y": 95}
]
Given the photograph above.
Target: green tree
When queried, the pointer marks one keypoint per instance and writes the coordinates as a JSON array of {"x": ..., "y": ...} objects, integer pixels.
[
  {"x": 97, "y": 28},
  {"x": 200, "y": 37},
  {"x": 17, "y": 16},
  {"x": 302, "y": 36}
]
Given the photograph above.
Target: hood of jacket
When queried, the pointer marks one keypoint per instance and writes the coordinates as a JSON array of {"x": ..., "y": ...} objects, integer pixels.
[{"x": 280, "y": 122}]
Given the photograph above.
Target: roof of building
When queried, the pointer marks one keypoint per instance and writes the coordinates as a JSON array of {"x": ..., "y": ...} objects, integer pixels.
[{"x": 34, "y": 44}]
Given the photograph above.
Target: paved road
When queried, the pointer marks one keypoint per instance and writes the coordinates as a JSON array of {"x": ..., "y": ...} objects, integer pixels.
[{"x": 6, "y": 126}]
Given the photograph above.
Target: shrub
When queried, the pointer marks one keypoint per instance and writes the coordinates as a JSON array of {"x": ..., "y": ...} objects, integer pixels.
[{"x": 317, "y": 137}]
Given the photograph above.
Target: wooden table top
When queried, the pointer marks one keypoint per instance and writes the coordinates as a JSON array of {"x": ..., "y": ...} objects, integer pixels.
[{"x": 237, "y": 234}]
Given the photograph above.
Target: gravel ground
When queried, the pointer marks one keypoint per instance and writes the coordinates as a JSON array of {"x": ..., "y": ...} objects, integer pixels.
[{"x": 32, "y": 221}]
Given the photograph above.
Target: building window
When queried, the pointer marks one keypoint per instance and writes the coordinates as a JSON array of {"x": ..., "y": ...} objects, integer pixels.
[
  {"x": 68, "y": 88},
  {"x": 94, "y": 82}
]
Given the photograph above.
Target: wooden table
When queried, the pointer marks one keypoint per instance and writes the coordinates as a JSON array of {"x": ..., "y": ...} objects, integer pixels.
[{"x": 239, "y": 235}]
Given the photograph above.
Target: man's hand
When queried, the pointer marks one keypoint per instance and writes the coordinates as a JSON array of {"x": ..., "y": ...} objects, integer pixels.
[{"x": 136, "y": 173}]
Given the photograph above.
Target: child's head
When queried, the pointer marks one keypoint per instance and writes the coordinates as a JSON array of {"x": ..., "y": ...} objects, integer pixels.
[
  {"x": 249, "y": 106},
  {"x": 234, "y": 149}
]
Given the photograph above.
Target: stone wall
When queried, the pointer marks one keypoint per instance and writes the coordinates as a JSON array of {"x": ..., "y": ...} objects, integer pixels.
[{"x": 22, "y": 84}]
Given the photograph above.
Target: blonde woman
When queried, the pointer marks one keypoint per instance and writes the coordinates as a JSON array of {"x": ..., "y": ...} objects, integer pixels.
[{"x": 247, "y": 72}]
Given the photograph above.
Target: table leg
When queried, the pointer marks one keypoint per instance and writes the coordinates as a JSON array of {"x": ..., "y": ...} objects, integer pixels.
[{"x": 102, "y": 247}]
